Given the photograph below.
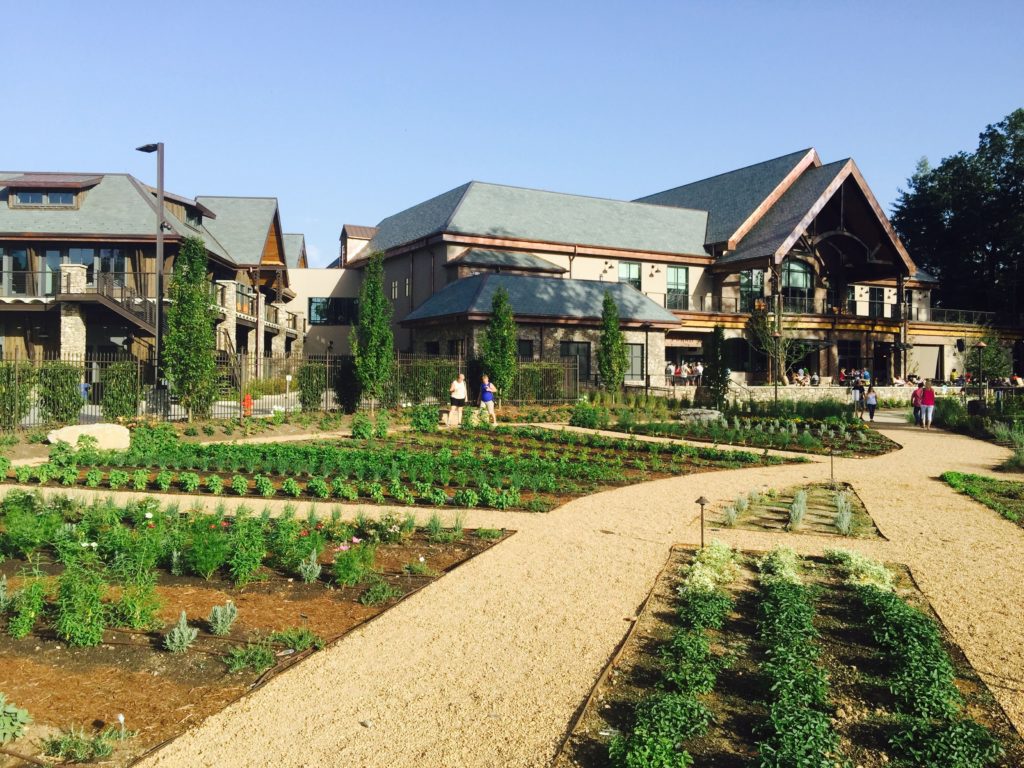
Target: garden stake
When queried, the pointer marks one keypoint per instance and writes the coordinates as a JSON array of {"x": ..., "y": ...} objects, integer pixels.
[
  {"x": 702, "y": 501},
  {"x": 832, "y": 464}
]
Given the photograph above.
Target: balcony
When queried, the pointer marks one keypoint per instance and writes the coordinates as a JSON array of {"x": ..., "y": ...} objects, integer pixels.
[{"x": 25, "y": 284}]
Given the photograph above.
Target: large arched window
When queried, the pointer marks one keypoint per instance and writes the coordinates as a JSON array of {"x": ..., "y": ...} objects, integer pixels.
[{"x": 797, "y": 285}]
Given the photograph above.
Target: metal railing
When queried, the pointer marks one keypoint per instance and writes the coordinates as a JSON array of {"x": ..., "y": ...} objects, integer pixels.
[
  {"x": 958, "y": 316},
  {"x": 677, "y": 300},
  {"x": 24, "y": 284},
  {"x": 245, "y": 300}
]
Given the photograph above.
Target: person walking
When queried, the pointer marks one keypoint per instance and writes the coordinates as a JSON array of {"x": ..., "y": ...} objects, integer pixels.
[
  {"x": 457, "y": 392},
  {"x": 915, "y": 402},
  {"x": 858, "y": 398},
  {"x": 927, "y": 405},
  {"x": 871, "y": 400},
  {"x": 487, "y": 392}
]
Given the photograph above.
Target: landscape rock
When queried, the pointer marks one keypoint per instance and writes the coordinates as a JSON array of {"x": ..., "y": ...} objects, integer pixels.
[
  {"x": 109, "y": 437},
  {"x": 699, "y": 415}
]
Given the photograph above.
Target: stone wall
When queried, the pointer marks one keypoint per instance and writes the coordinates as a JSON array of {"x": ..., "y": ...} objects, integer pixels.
[{"x": 802, "y": 394}]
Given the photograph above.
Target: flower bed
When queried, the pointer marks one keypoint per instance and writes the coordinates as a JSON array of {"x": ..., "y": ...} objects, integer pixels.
[
  {"x": 843, "y": 436},
  {"x": 93, "y": 597},
  {"x": 819, "y": 662},
  {"x": 1004, "y": 496},
  {"x": 506, "y": 468}
]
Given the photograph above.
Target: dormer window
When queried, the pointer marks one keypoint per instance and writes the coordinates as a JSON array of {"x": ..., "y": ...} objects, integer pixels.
[
  {"x": 193, "y": 218},
  {"x": 53, "y": 198}
]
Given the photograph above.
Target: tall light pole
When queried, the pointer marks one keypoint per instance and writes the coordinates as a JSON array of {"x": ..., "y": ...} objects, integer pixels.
[
  {"x": 980, "y": 346},
  {"x": 159, "y": 149},
  {"x": 776, "y": 337}
]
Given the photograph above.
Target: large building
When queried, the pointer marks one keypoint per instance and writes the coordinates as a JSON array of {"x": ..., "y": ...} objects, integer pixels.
[
  {"x": 78, "y": 267},
  {"x": 790, "y": 233}
]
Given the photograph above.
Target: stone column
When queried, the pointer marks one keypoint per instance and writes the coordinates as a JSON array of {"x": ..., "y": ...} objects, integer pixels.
[
  {"x": 277, "y": 341},
  {"x": 300, "y": 340},
  {"x": 72, "y": 278},
  {"x": 72, "y": 332},
  {"x": 227, "y": 325}
]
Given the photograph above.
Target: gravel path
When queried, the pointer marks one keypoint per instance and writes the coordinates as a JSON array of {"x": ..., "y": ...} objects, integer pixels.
[{"x": 487, "y": 667}]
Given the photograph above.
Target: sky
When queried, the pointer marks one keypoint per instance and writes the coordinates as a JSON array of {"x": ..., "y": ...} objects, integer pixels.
[{"x": 349, "y": 112}]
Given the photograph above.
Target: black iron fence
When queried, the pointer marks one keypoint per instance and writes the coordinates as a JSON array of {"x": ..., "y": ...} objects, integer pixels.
[{"x": 56, "y": 390}]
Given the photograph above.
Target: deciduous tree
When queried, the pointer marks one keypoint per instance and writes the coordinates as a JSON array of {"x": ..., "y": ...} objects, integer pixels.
[
  {"x": 612, "y": 359},
  {"x": 499, "y": 349},
  {"x": 373, "y": 344}
]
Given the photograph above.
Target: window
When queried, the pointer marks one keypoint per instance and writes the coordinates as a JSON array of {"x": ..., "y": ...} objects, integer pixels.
[
  {"x": 848, "y": 352},
  {"x": 635, "y": 368},
  {"x": 797, "y": 286},
  {"x": 408, "y": 286},
  {"x": 112, "y": 260},
  {"x": 335, "y": 310},
  {"x": 457, "y": 347},
  {"x": 524, "y": 349},
  {"x": 751, "y": 289},
  {"x": 581, "y": 351},
  {"x": 629, "y": 272},
  {"x": 876, "y": 302},
  {"x": 86, "y": 257},
  {"x": 56, "y": 198},
  {"x": 432, "y": 348},
  {"x": 27, "y": 197},
  {"x": 678, "y": 294},
  {"x": 394, "y": 289}
]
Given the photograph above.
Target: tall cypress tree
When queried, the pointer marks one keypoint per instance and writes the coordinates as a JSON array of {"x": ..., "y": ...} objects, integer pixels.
[
  {"x": 612, "y": 360},
  {"x": 716, "y": 372},
  {"x": 373, "y": 344},
  {"x": 499, "y": 344},
  {"x": 189, "y": 345}
]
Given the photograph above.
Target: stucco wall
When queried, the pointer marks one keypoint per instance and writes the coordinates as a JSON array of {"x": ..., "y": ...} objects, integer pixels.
[{"x": 323, "y": 283}]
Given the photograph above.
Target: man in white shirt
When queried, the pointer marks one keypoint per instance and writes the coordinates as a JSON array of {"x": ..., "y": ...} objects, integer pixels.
[{"x": 699, "y": 370}]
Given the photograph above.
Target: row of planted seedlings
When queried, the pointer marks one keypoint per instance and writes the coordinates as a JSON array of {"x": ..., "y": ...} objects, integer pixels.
[
  {"x": 931, "y": 727},
  {"x": 75, "y": 552},
  {"x": 842, "y": 519},
  {"x": 413, "y": 473},
  {"x": 665, "y": 720}
]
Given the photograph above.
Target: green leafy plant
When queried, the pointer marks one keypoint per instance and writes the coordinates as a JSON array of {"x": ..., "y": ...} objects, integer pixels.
[
  {"x": 298, "y": 639},
  {"x": 379, "y": 591},
  {"x": 181, "y": 636},
  {"x": 589, "y": 416},
  {"x": 353, "y": 564},
  {"x": 13, "y": 720},
  {"x": 312, "y": 383},
  {"x": 140, "y": 480},
  {"x": 372, "y": 342},
  {"x": 499, "y": 346},
  {"x": 121, "y": 391},
  {"x": 163, "y": 480},
  {"x": 318, "y": 488},
  {"x": 489, "y": 534},
  {"x": 93, "y": 478},
  {"x": 76, "y": 746},
  {"x": 256, "y": 656},
  {"x": 612, "y": 356},
  {"x": 221, "y": 618},
  {"x": 240, "y": 485},
  {"x": 248, "y": 547},
  {"x": 26, "y": 608},
  {"x": 60, "y": 393},
  {"x": 465, "y": 497},
  {"x": 80, "y": 619},
  {"x": 380, "y": 426},
  {"x": 264, "y": 487},
  {"x": 309, "y": 569},
  {"x": 215, "y": 484},
  {"x": 17, "y": 381},
  {"x": 362, "y": 427},
  {"x": 189, "y": 482},
  {"x": 208, "y": 546}
]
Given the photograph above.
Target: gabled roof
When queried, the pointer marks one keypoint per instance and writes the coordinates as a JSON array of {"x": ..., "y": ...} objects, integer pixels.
[
  {"x": 514, "y": 213},
  {"x": 480, "y": 257},
  {"x": 784, "y": 217},
  {"x": 242, "y": 224},
  {"x": 734, "y": 200},
  {"x": 534, "y": 297},
  {"x": 295, "y": 251},
  {"x": 358, "y": 231}
]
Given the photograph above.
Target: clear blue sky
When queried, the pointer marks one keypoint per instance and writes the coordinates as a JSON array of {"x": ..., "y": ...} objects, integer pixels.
[{"x": 348, "y": 112}]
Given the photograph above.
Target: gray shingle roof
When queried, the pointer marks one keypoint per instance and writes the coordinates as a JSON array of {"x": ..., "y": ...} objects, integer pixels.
[
  {"x": 493, "y": 210},
  {"x": 506, "y": 259},
  {"x": 294, "y": 248},
  {"x": 242, "y": 224},
  {"x": 782, "y": 218},
  {"x": 730, "y": 198},
  {"x": 532, "y": 296}
]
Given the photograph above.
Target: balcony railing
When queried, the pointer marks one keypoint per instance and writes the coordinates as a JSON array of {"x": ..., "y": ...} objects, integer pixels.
[
  {"x": 677, "y": 300},
  {"x": 959, "y": 316},
  {"x": 270, "y": 314},
  {"x": 24, "y": 284},
  {"x": 245, "y": 301}
]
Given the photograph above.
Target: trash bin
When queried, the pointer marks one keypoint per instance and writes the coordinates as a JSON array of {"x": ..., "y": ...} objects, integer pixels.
[{"x": 974, "y": 407}]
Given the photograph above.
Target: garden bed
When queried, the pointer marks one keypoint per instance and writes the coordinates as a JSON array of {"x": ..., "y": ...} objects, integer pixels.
[
  {"x": 829, "y": 509},
  {"x": 1003, "y": 496},
  {"x": 724, "y": 688},
  {"x": 843, "y": 437},
  {"x": 74, "y": 669},
  {"x": 524, "y": 468}
]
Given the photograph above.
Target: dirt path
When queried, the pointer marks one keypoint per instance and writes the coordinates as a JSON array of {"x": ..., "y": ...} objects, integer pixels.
[{"x": 486, "y": 667}]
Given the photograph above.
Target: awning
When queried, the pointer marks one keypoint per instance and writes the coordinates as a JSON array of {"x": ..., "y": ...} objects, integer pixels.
[
  {"x": 689, "y": 343},
  {"x": 926, "y": 358}
]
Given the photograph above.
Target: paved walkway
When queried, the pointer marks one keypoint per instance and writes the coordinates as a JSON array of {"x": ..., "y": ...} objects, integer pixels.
[{"x": 487, "y": 666}]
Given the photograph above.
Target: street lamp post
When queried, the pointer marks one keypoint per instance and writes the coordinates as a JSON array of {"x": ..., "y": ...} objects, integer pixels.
[
  {"x": 776, "y": 336},
  {"x": 980, "y": 346},
  {"x": 160, "y": 222}
]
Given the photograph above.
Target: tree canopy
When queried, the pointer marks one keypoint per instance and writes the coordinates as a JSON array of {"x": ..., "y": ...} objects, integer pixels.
[
  {"x": 963, "y": 221},
  {"x": 612, "y": 360},
  {"x": 499, "y": 348},
  {"x": 190, "y": 343},
  {"x": 373, "y": 344}
]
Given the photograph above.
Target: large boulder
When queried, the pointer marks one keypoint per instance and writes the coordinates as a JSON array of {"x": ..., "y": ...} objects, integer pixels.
[
  {"x": 109, "y": 437},
  {"x": 699, "y": 415}
]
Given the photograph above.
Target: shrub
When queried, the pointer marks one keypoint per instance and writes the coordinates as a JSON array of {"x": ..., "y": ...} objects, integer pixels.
[
  {"x": 163, "y": 480},
  {"x": 93, "y": 478},
  {"x": 353, "y": 564},
  {"x": 318, "y": 488},
  {"x": 181, "y": 636},
  {"x": 60, "y": 392},
  {"x": 221, "y": 618},
  {"x": 379, "y": 592},
  {"x": 312, "y": 382},
  {"x": 797, "y": 510},
  {"x": 189, "y": 482},
  {"x": 264, "y": 487},
  {"x": 663, "y": 721},
  {"x": 140, "y": 480},
  {"x": 290, "y": 487},
  {"x": 344, "y": 490},
  {"x": 589, "y": 416},
  {"x": 26, "y": 607},
  {"x": 844, "y": 514},
  {"x": 80, "y": 612},
  {"x": 362, "y": 427},
  {"x": 465, "y": 497},
  {"x": 298, "y": 639},
  {"x": 248, "y": 548},
  {"x": 309, "y": 569},
  {"x": 424, "y": 418},
  {"x": 117, "y": 479},
  {"x": 138, "y": 604},
  {"x": 240, "y": 485},
  {"x": 953, "y": 743},
  {"x": 215, "y": 484},
  {"x": 380, "y": 428},
  {"x": 121, "y": 391},
  {"x": 17, "y": 381},
  {"x": 208, "y": 547},
  {"x": 76, "y": 746}
]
